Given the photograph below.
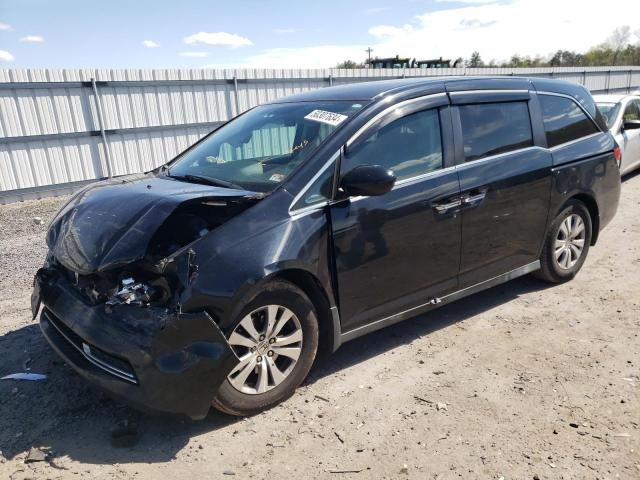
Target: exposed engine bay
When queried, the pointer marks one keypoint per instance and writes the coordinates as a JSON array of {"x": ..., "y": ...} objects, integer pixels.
[
  {"x": 131, "y": 246},
  {"x": 190, "y": 221}
]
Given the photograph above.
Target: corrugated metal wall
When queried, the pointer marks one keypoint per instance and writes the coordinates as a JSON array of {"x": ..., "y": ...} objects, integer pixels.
[{"x": 52, "y": 124}]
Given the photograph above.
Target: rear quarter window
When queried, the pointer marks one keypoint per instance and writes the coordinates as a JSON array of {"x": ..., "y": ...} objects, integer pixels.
[{"x": 564, "y": 120}]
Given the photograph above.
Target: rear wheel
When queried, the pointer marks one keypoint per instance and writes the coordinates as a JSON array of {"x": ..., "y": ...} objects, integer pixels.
[
  {"x": 276, "y": 339},
  {"x": 567, "y": 244}
]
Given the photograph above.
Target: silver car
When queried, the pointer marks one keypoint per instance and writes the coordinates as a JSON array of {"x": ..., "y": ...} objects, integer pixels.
[{"x": 623, "y": 119}]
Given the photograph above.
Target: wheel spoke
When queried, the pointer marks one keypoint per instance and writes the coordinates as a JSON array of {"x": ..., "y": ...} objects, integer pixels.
[
  {"x": 564, "y": 230},
  {"x": 263, "y": 377},
  {"x": 284, "y": 318},
  {"x": 578, "y": 228},
  {"x": 276, "y": 374},
  {"x": 295, "y": 337},
  {"x": 245, "y": 367},
  {"x": 567, "y": 258},
  {"x": 272, "y": 315},
  {"x": 578, "y": 243},
  {"x": 562, "y": 257},
  {"x": 291, "y": 352},
  {"x": 241, "y": 340},
  {"x": 576, "y": 252},
  {"x": 559, "y": 251},
  {"x": 247, "y": 324}
]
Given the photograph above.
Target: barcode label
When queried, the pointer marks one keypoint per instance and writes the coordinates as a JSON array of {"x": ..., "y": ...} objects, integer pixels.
[{"x": 329, "y": 118}]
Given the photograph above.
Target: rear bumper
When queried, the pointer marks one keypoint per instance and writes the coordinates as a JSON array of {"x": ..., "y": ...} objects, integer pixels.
[{"x": 151, "y": 358}]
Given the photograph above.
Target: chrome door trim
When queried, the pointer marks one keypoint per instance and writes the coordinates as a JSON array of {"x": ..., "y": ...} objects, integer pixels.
[
  {"x": 489, "y": 92},
  {"x": 571, "y": 142},
  {"x": 405, "y": 182},
  {"x": 462, "y": 166}
]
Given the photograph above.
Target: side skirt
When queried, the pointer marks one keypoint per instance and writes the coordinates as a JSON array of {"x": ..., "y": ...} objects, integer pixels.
[{"x": 340, "y": 338}]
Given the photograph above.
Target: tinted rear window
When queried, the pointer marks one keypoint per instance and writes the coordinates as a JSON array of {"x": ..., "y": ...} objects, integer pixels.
[
  {"x": 564, "y": 120},
  {"x": 492, "y": 128}
]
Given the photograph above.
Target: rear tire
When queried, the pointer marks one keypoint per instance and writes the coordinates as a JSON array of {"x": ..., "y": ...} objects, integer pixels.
[
  {"x": 567, "y": 244},
  {"x": 278, "y": 324}
]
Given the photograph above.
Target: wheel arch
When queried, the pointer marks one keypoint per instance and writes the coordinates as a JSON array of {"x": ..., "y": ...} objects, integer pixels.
[
  {"x": 310, "y": 284},
  {"x": 328, "y": 323},
  {"x": 594, "y": 212}
]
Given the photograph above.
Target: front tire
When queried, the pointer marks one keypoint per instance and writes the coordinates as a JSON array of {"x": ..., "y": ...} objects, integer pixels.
[
  {"x": 567, "y": 244},
  {"x": 276, "y": 338}
]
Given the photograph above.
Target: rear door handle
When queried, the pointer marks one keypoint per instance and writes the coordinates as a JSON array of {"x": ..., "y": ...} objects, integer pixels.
[{"x": 473, "y": 200}]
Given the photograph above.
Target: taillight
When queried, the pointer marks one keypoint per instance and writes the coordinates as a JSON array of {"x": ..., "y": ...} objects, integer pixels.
[{"x": 617, "y": 154}]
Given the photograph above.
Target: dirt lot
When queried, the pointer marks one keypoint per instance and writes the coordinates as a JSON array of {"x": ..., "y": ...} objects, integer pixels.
[{"x": 521, "y": 381}]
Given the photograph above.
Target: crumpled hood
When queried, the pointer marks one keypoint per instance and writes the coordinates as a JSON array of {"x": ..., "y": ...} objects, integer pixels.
[{"x": 110, "y": 223}]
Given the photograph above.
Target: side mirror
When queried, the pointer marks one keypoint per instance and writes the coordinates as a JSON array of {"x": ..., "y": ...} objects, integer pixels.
[
  {"x": 367, "y": 180},
  {"x": 631, "y": 124}
]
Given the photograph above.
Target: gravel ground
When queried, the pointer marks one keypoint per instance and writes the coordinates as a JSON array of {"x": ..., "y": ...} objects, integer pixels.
[{"x": 521, "y": 381}]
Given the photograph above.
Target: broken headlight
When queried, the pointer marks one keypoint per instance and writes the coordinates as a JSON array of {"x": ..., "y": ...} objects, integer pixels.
[{"x": 141, "y": 294}]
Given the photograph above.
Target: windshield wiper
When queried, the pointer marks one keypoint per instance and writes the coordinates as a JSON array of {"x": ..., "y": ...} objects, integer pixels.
[{"x": 216, "y": 182}]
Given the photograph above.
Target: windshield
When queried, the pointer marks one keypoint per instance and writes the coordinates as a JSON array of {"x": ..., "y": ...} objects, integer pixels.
[
  {"x": 610, "y": 112},
  {"x": 259, "y": 149}
]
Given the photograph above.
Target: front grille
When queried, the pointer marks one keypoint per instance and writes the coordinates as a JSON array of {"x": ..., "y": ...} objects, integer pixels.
[{"x": 113, "y": 365}]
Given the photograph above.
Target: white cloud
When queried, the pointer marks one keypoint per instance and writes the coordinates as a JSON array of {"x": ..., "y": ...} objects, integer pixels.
[
  {"x": 5, "y": 26},
  {"x": 32, "y": 39},
  {"x": 194, "y": 54},
  {"x": 496, "y": 30},
  {"x": 375, "y": 10},
  {"x": 499, "y": 30},
  {"x": 150, "y": 44},
  {"x": 6, "y": 56},
  {"x": 217, "y": 39}
]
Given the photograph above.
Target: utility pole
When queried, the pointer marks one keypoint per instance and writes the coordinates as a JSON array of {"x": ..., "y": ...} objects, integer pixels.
[{"x": 369, "y": 50}]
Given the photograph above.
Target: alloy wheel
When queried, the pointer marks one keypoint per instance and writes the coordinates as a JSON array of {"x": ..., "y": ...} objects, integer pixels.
[
  {"x": 569, "y": 242},
  {"x": 268, "y": 342}
]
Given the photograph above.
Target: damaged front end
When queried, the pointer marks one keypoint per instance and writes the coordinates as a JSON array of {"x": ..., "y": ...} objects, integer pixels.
[{"x": 119, "y": 270}]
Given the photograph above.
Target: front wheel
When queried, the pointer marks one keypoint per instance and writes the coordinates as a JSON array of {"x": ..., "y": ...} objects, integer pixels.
[
  {"x": 567, "y": 244},
  {"x": 276, "y": 339}
]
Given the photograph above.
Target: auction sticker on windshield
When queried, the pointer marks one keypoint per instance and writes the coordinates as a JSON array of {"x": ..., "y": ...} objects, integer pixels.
[{"x": 329, "y": 118}]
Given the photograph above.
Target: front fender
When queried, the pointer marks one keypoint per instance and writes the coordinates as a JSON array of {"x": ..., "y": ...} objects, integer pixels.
[{"x": 232, "y": 271}]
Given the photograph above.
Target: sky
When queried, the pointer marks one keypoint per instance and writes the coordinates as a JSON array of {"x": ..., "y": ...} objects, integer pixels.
[{"x": 295, "y": 34}]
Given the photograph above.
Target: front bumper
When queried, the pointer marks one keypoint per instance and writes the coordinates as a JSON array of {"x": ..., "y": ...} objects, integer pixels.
[{"x": 149, "y": 357}]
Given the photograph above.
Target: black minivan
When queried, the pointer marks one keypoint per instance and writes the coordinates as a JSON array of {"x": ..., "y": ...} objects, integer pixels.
[{"x": 309, "y": 221}]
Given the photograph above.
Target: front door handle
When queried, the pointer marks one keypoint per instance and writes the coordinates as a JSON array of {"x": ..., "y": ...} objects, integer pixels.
[{"x": 447, "y": 206}]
